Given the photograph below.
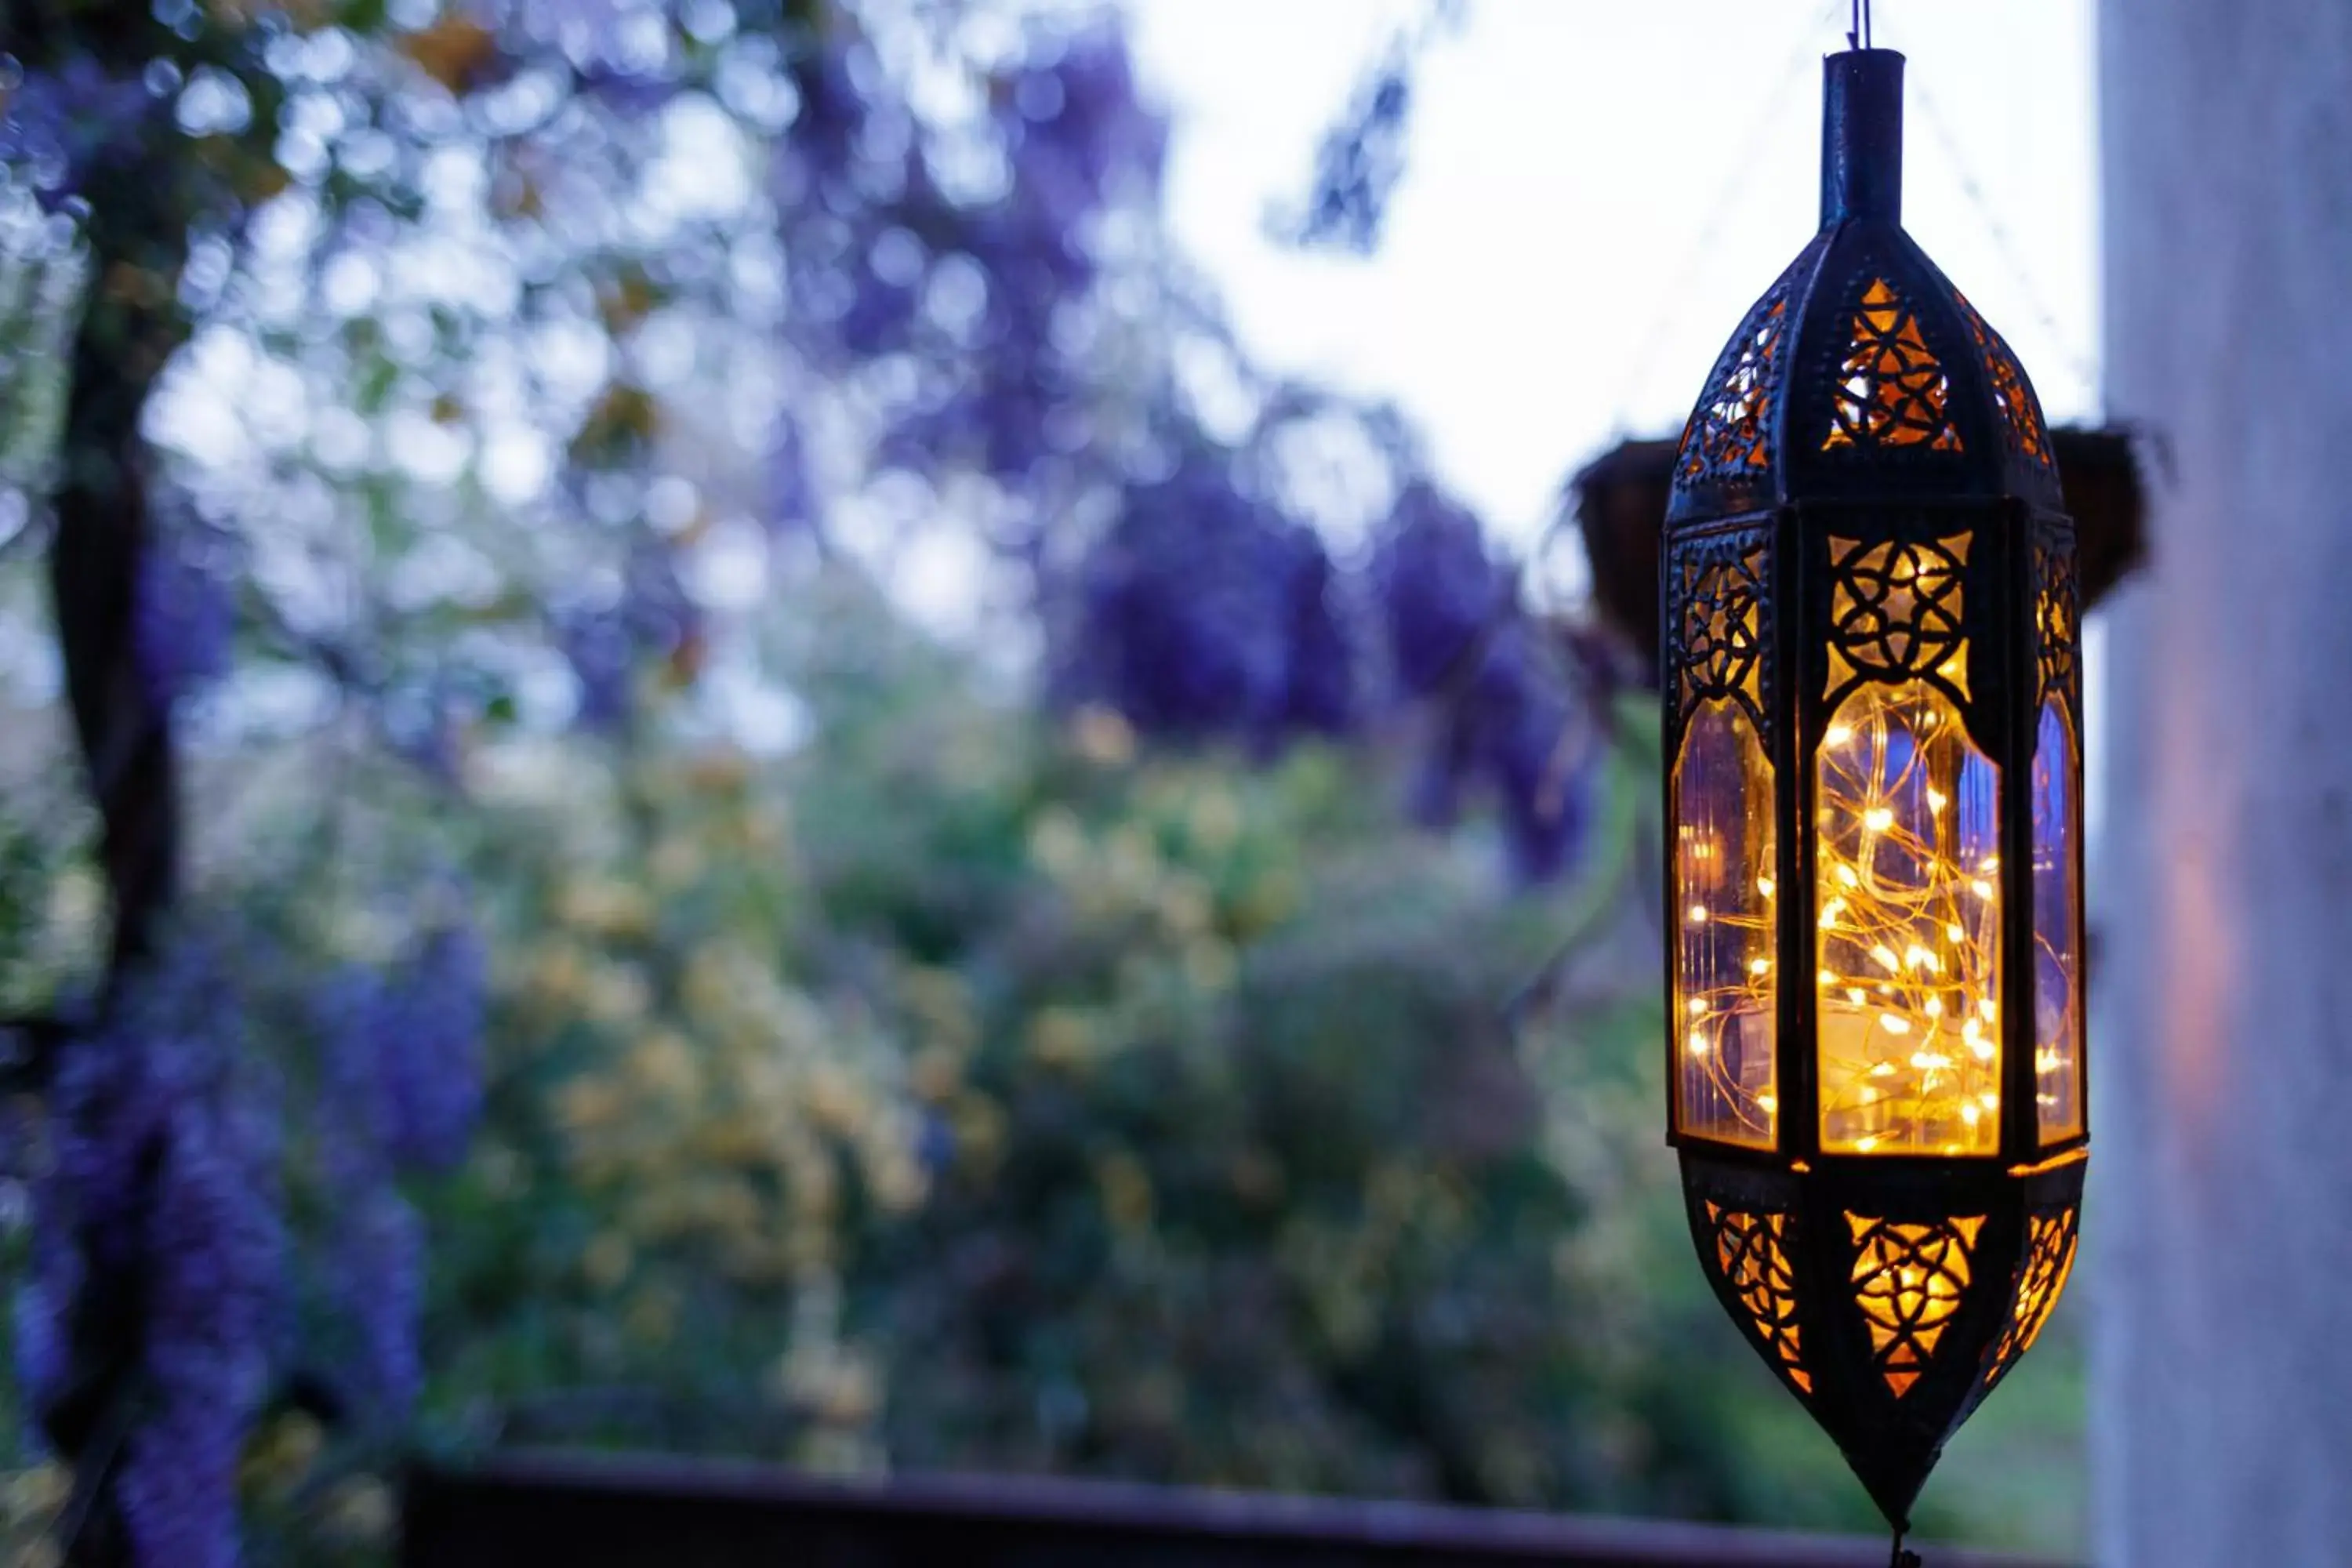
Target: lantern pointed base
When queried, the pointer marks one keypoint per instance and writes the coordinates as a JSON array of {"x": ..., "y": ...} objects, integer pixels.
[{"x": 1889, "y": 1295}]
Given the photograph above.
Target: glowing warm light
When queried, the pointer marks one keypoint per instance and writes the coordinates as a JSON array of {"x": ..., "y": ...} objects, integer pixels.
[
  {"x": 1909, "y": 945},
  {"x": 1726, "y": 1085},
  {"x": 1909, "y": 1281}
]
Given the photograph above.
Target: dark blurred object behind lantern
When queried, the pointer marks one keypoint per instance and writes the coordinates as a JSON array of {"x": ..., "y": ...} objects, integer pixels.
[{"x": 1875, "y": 1060}]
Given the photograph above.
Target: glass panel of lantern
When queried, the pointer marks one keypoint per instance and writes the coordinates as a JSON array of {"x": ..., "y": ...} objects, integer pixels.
[
  {"x": 2057, "y": 927},
  {"x": 1906, "y": 887},
  {"x": 1724, "y": 988}
]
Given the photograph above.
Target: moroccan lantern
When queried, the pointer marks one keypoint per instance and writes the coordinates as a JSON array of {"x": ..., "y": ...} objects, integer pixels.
[{"x": 1874, "y": 712}]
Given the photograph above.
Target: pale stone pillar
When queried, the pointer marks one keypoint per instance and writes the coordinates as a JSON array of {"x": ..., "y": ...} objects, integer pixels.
[{"x": 2219, "y": 1223}]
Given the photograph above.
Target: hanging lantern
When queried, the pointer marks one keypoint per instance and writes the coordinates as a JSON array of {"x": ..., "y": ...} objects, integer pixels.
[{"x": 1875, "y": 1060}]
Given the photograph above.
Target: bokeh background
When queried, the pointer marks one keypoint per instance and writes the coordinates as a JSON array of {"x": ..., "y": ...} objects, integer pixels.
[{"x": 864, "y": 734}]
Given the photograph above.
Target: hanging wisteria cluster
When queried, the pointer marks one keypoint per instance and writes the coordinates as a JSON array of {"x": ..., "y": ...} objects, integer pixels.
[{"x": 978, "y": 297}]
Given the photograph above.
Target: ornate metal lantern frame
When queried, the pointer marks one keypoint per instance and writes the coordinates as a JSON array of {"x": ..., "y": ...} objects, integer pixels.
[{"x": 1872, "y": 710}]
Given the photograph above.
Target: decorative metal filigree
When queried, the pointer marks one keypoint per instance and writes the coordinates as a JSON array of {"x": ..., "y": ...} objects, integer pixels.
[
  {"x": 1723, "y": 641},
  {"x": 2050, "y": 1259},
  {"x": 2057, "y": 616},
  {"x": 1891, "y": 389},
  {"x": 1895, "y": 611},
  {"x": 1752, "y": 1249},
  {"x": 1730, "y": 432},
  {"x": 2020, "y": 409},
  {"x": 1909, "y": 1281}
]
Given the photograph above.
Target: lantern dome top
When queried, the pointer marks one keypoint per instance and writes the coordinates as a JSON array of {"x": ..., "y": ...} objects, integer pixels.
[{"x": 1862, "y": 374}]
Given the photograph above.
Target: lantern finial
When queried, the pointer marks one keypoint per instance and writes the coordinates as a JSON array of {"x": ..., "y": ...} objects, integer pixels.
[{"x": 1862, "y": 136}]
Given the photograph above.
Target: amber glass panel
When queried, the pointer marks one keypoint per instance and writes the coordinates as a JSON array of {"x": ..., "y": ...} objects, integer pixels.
[
  {"x": 1724, "y": 984},
  {"x": 2057, "y": 926},
  {"x": 1907, "y": 895}
]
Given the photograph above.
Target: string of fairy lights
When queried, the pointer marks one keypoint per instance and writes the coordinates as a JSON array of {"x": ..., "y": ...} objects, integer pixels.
[{"x": 1908, "y": 918}]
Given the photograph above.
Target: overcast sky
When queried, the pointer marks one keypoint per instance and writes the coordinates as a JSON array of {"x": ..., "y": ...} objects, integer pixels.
[{"x": 1598, "y": 191}]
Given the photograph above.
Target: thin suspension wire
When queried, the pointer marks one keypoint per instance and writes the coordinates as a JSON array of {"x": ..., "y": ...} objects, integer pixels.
[
  {"x": 1706, "y": 245},
  {"x": 1859, "y": 35},
  {"x": 2012, "y": 255}
]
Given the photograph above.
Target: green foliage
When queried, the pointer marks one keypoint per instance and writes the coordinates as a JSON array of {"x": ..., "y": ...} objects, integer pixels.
[{"x": 956, "y": 1090}]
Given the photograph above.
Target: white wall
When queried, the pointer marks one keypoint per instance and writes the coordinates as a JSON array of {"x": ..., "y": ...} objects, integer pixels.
[{"x": 2220, "y": 1220}]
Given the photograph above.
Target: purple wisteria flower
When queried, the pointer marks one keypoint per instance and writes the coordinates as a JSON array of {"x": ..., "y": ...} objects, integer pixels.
[
  {"x": 375, "y": 1273},
  {"x": 1358, "y": 165},
  {"x": 403, "y": 1086},
  {"x": 184, "y": 617},
  {"x": 1207, "y": 613},
  {"x": 63, "y": 124},
  {"x": 1503, "y": 700},
  {"x": 434, "y": 1078},
  {"x": 605, "y": 646},
  {"x": 1319, "y": 684},
  {"x": 159, "y": 1243},
  {"x": 404, "y": 1058},
  {"x": 1438, "y": 587},
  {"x": 217, "y": 1266}
]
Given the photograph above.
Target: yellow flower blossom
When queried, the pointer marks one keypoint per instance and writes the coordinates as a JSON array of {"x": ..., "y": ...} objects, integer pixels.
[
  {"x": 359, "y": 1509},
  {"x": 1102, "y": 737},
  {"x": 604, "y": 907},
  {"x": 607, "y": 1260},
  {"x": 677, "y": 862},
  {"x": 979, "y": 1125},
  {"x": 1215, "y": 820},
  {"x": 1126, "y": 1191},
  {"x": 1057, "y": 844},
  {"x": 558, "y": 975},
  {"x": 722, "y": 770},
  {"x": 616, "y": 994},
  {"x": 1210, "y": 965},
  {"x": 1060, "y": 1037},
  {"x": 934, "y": 1074},
  {"x": 588, "y": 1105},
  {"x": 651, "y": 1316}
]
